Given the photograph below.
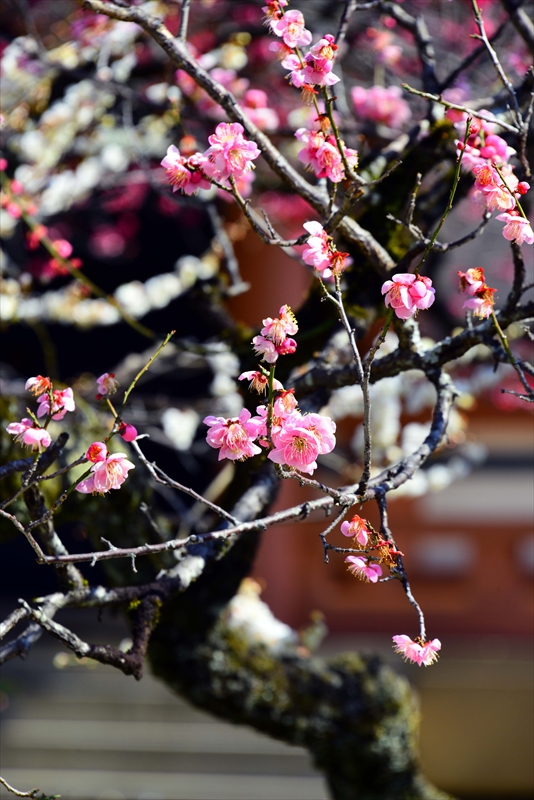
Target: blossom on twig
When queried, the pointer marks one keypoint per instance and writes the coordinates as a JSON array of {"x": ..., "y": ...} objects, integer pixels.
[
  {"x": 421, "y": 654},
  {"x": 107, "y": 384},
  {"x": 38, "y": 385},
  {"x": 407, "y": 294},
  {"x": 259, "y": 381},
  {"x": 291, "y": 28},
  {"x": 107, "y": 474},
  {"x": 229, "y": 154},
  {"x": 127, "y": 432},
  {"x": 363, "y": 569},
  {"x": 322, "y": 155},
  {"x": 233, "y": 437},
  {"x": 185, "y": 173},
  {"x": 517, "y": 228},
  {"x": 357, "y": 529},
  {"x": 381, "y": 104},
  {"x": 320, "y": 251},
  {"x": 29, "y": 435},
  {"x": 479, "y": 295},
  {"x": 62, "y": 401}
]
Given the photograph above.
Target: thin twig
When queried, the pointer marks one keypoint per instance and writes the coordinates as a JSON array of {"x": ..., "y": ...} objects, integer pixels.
[
  {"x": 399, "y": 570},
  {"x": 164, "y": 480},
  {"x": 33, "y": 544},
  {"x": 496, "y": 63},
  {"x": 31, "y": 793},
  {"x": 448, "y": 207},
  {"x": 437, "y": 98},
  {"x": 184, "y": 20}
]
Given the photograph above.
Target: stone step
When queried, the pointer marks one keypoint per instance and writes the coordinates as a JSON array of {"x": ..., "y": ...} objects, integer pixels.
[
  {"x": 106, "y": 785},
  {"x": 160, "y": 737},
  {"x": 123, "y": 761}
]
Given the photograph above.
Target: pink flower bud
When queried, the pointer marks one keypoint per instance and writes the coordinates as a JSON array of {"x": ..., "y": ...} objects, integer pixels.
[
  {"x": 97, "y": 452},
  {"x": 63, "y": 247},
  {"x": 128, "y": 432}
]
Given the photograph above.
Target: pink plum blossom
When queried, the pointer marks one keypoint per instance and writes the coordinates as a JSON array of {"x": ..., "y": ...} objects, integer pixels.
[
  {"x": 321, "y": 154},
  {"x": 363, "y": 569},
  {"x": 62, "y": 401},
  {"x": 316, "y": 67},
  {"x": 472, "y": 280},
  {"x": 421, "y": 654},
  {"x": 183, "y": 173},
  {"x": 298, "y": 439},
  {"x": 407, "y": 293},
  {"x": 284, "y": 406},
  {"x": 255, "y": 104},
  {"x": 259, "y": 381},
  {"x": 517, "y": 228},
  {"x": 274, "y": 339},
  {"x": 380, "y": 104},
  {"x": 38, "y": 385},
  {"x": 266, "y": 349},
  {"x": 479, "y": 295},
  {"x": 107, "y": 474},
  {"x": 381, "y": 43},
  {"x": 273, "y": 9},
  {"x": 287, "y": 347},
  {"x": 295, "y": 447},
  {"x": 107, "y": 384},
  {"x": 357, "y": 529},
  {"x": 322, "y": 427},
  {"x": 291, "y": 28},
  {"x": 479, "y": 150},
  {"x": 482, "y": 303},
  {"x": 25, "y": 432},
  {"x": 498, "y": 198},
  {"x": 317, "y": 250},
  {"x": 278, "y": 329},
  {"x": 230, "y": 154},
  {"x": 285, "y": 403},
  {"x": 235, "y": 436},
  {"x": 321, "y": 252}
]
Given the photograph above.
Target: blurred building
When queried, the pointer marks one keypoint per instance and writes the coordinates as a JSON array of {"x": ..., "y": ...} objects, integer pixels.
[{"x": 470, "y": 557}]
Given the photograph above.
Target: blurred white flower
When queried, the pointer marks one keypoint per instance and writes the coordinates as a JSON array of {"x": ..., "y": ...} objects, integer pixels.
[
  {"x": 180, "y": 426},
  {"x": 249, "y": 616}
]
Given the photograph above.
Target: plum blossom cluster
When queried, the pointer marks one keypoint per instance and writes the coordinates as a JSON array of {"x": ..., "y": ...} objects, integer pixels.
[
  {"x": 479, "y": 295},
  {"x": 322, "y": 155},
  {"x": 29, "y": 434},
  {"x": 315, "y": 69},
  {"x": 367, "y": 568},
  {"x": 229, "y": 156},
  {"x": 19, "y": 206},
  {"x": 109, "y": 471},
  {"x": 407, "y": 294},
  {"x": 51, "y": 403},
  {"x": 320, "y": 252},
  {"x": 292, "y": 439},
  {"x": 421, "y": 653},
  {"x": 366, "y": 538},
  {"x": 275, "y": 336},
  {"x": 380, "y": 104},
  {"x": 487, "y": 155}
]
